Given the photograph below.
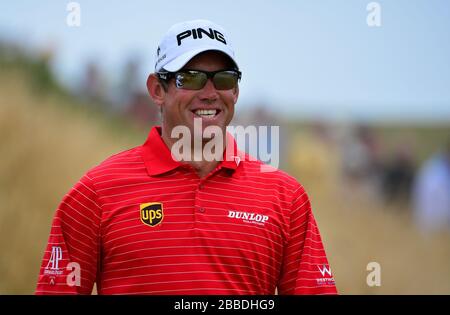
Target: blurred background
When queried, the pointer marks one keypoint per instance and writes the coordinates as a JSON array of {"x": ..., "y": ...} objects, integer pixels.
[{"x": 360, "y": 90}]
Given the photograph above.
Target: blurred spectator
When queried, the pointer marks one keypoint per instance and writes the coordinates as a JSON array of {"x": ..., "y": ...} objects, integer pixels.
[
  {"x": 361, "y": 154},
  {"x": 141, "y": 110},
  {"x": 431, "y": 197},
  {"x": 398, "y": 175},
  {"x": 324, "y": 132},
  {"x": 129, "y": 85},
  {"x": 93, "y": 86}
]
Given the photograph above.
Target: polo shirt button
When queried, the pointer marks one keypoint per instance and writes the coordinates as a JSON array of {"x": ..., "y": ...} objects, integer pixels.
[
  {"x": 200, "y": 186},
  {"x": 202, "y": 210}
]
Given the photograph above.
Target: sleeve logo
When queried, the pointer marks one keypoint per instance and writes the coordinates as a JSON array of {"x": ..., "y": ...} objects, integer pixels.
[
  {"x": 52, "y": 267},
  {"x": 325, "y": 270},
  {"x": 327, "y": 277},
  {"x": 152, "y": 213}
]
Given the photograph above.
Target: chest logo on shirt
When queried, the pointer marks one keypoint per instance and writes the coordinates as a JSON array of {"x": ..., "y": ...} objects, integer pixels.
[
  {"x": 248, "y": 217},
  {"x": 152, "y": 213}
]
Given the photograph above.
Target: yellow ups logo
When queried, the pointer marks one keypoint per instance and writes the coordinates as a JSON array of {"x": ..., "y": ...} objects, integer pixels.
[{"x": 152, "y": 213}]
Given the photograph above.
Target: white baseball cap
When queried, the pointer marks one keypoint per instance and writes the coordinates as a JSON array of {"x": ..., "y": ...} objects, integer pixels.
[{"x": 185, "y": 40}]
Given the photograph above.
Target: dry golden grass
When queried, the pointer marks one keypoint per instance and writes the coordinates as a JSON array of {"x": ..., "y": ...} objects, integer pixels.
[
  {"x": 357, "y": 228},
  {"x": 46, "y": 147},
  {"x": 358, "y": 233}
]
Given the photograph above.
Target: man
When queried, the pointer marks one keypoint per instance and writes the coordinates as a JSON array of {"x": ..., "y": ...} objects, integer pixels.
[
  {"x": 431, "y": 193},
  {"x": 162, "y": 219}
]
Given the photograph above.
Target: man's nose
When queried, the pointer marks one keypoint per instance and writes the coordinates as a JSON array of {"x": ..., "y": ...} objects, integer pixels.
[{"x": 208, "y": 92}]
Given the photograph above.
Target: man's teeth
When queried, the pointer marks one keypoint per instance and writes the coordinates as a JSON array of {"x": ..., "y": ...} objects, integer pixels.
[{"x": 206, "y": 112}]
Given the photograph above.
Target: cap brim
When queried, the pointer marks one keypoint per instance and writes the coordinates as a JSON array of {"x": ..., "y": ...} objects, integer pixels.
[{"x": 183, "y": 59}]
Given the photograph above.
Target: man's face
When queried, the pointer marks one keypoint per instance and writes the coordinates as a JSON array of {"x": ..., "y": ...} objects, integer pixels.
[{"x": 181, "y": 106}]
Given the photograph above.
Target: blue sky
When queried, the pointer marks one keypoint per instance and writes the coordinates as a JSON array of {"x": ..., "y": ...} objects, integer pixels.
[{"x": 306, "y": 58}]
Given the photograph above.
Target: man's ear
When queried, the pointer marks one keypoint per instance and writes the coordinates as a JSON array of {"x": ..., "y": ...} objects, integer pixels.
[{"x": 155, "y": 89}]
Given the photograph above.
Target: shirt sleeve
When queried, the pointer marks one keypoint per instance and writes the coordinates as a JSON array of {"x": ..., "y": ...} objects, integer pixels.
[
  {"x": 69, "y": 265},
  {"x": 305, "y": 268}
]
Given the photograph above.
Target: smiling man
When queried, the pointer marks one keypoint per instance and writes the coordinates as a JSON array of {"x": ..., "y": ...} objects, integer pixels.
[
  {"x": 146, "y": 222},
  {"x": 204, "y": 91}
]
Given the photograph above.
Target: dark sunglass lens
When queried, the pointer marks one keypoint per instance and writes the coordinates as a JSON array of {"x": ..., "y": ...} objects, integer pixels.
[
  {"x": 225, "y": 80},
  {"x": 190, "y": 80}
]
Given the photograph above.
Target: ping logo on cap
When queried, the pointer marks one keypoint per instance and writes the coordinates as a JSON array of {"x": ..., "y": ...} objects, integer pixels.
[
  {"x": 152, "y": 213},
  {"x": 198, "y": 34}
]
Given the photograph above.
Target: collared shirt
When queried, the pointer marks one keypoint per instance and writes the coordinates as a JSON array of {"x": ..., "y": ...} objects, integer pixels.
[{"x": 143, "y": 223}]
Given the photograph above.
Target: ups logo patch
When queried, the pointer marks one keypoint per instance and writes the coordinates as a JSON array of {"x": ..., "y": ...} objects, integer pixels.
[{"x": 152, "y": 213}]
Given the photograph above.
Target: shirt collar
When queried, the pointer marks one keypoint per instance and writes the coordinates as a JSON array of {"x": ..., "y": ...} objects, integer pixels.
[{"x": 158, "y": 158}]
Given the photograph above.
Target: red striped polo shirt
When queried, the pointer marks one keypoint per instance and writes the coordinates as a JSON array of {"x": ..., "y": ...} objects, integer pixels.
[{"x": 143, "y": 223}]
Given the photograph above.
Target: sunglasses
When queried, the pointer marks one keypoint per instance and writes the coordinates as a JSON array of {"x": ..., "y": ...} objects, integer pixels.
[{"x": 196, "y": 79}]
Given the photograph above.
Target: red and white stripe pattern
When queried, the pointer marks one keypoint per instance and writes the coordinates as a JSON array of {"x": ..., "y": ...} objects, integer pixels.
[{"x": 236, "y": 231}]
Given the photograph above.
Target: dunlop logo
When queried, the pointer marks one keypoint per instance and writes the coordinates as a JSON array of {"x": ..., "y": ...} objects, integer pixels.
[{"x": 152, "y": 213}]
